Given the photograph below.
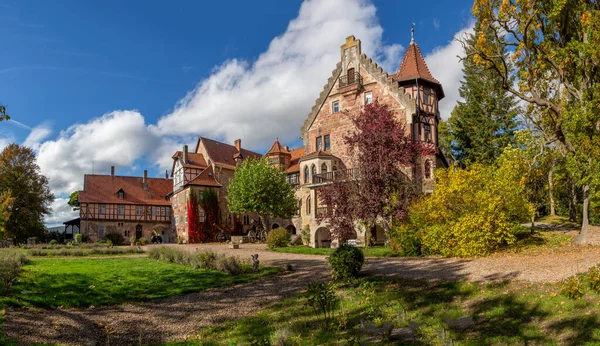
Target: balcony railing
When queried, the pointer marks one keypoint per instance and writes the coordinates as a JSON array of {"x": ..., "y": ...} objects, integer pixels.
[
  {"x": 350, "y": 79},
  {"x": 293, "y": 179},
  {"x": 329, "y": 177},
  {"x": 321, "y": 211}
]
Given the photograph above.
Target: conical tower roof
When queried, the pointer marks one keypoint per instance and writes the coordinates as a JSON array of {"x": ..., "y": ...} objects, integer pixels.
[{"x": 413, "y": 66}]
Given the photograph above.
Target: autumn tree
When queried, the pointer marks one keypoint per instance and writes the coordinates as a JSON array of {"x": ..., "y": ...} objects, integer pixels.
[
  {"x": 260, "y": 187},
  {"x": 554, "y": 52},
  {"x": 193, "y": 218},
  {"x": 379, "y": 189},
  {"x": 6, "y": 204},
  {"x": 20, "y": 173},
  {"x": 483, "y": 123}
]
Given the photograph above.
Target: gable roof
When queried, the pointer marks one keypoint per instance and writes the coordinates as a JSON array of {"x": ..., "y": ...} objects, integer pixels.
[
  {"x": 195, "y": 160},
  {"x": 205, "y": 178},
  {"x": 103, "y": 189},
  {"x": 276, "y": 148},
  {"x": 222, "y": 154},
  {"x": 295, "y": 160},
  {"x": 413, "y": 66}
]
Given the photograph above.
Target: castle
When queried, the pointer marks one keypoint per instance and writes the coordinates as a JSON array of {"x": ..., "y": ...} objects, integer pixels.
[{"x": 140, "y": 205}]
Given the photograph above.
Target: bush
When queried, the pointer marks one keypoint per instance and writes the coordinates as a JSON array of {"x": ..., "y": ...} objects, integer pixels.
[
  {"x": 132, "y": 239},
  {"x": 53, "y": 242},
  {"x": 593, "y": 276},
  {"x": 228, "y": 264},
  {"x": 279, "y": 237},
  {"x": 78, "y": 237},
  {"x": 11, "y": 262},
  {"x": 321, "y": 296},
  {"x": 572, "y": 287},
  {"x": 143, "y": 241},
  {"x": 206, "y": 260},
  {"x": 404, "y": 241},
  {"x": 115, "y": 238},
  {"x": 346, "y": 262},
  {"x": 305, "y": 235}
]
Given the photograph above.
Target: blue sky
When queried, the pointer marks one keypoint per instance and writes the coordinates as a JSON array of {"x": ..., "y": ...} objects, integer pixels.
[{"x": 126, "y": 83}]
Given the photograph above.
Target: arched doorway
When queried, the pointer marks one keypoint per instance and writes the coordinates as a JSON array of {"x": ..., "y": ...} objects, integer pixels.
[
  {"x": 322, "y": 237},
  {"x": 138, "y": 231},
  {"x": 162, "y": 233},
  {"x": 275, "y": 225},
  {"x": 291, "y": 229},
  {"x": 378, "y": 235}
]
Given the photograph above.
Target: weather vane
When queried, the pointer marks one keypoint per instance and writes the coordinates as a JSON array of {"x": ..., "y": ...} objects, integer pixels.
[{"x": 412, "y": 33}]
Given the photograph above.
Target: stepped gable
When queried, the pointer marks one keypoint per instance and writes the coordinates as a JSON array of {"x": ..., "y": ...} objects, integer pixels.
[
  {"x": 335, "y": 74},
  {"x": 103, "y": 189}
]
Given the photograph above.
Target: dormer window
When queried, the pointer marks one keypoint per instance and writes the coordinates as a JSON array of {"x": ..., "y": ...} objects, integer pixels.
[{"x": 121, "y": 194}]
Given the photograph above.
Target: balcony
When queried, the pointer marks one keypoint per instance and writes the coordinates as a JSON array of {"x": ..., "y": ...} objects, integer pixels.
[
  {"x": 321, "y": 211},
  {"x": 293, "y": 179},
  {"x": 350, "y": 79},
  {"x": 333, "y": 176}
]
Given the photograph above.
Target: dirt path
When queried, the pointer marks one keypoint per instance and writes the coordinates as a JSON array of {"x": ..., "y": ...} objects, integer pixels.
[{"x": 176, "y": 318}]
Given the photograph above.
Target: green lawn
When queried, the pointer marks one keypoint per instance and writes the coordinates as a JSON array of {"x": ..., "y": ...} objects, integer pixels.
[
  {"x": 51, "y": 283},
  {"x": 373, "y": 251},
  {"x": 504, "y": 314}
]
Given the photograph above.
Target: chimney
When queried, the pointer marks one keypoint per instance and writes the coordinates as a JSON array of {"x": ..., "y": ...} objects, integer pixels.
[
  {"x": 145, "y": 180},
  {"x": 185, "y": 153},
  {"x": 112, "y": 171},
  {"x": 238, "y": 144},
  {"x": 287, "y": 148},
  {"x": 166, "y": 174}
]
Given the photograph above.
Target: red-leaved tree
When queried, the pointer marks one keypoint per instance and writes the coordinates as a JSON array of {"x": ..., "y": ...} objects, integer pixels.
[
  {"x": 193, "y": 218},
  {"x": 378, "y": 189}
]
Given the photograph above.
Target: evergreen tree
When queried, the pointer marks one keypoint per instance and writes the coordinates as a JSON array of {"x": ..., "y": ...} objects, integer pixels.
[{"x": 483, "y": 124}]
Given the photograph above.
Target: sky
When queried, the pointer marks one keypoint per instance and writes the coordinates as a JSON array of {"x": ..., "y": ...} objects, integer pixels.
[{"x": 92, "y": 84}]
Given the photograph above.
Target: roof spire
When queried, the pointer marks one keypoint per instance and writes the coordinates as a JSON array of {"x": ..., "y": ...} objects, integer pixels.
[{"x": 412, "y": 33}]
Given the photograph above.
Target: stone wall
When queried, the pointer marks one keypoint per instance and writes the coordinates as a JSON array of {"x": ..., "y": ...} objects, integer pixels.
[{"x": 127, "y": 229}]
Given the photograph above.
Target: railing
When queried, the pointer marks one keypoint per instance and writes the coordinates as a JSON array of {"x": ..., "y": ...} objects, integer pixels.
[
  {"x": 293, "y": 179},
  {"x": 350, "y": 79},
  {"x": 329, "y": 177},
  {"x": 321, "y": 211}
]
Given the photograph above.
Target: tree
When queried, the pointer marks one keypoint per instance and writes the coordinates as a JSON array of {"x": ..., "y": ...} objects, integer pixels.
[
  {"x": 380, "y": 190},
  {"x": 3, "y": 115},
  {"x": 6, "y": 204},
  {"x": 32, "y": 197},
  {"x": 74, "y": 200},
  {"x": 193, "y": 218},
  {"x": 260, "y": 187},
  {"x": 483, "y": 124},
  {"x": 209, "y": 201},
  {"x": 554, "y": 52}
]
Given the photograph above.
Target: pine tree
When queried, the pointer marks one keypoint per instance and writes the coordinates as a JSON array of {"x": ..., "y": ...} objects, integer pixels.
[{"x": 484, "y": 123}]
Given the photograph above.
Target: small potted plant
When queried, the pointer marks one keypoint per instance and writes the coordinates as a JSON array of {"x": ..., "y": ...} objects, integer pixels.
[
  {"x": 132, "y": 240},
  {"x": 78, "y": 238}
]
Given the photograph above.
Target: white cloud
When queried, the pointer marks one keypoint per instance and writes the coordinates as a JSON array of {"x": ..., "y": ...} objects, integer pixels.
[
  {"x": 445, "y": 66},
  {"x": 258, "y": 101},
  {"x": 436, "y": 23},
  {"x": 117, "y": 138},
  {"x": 61, "y": 212},
  {"x": 37, "y": 135}
]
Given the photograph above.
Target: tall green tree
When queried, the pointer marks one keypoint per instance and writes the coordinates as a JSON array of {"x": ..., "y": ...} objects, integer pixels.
[
  {"x": 20, "y": 174},
  {"x": 74, "y": 200},
  {"x": 483, "y": 124},
  {"x": 260, "y": 187}
]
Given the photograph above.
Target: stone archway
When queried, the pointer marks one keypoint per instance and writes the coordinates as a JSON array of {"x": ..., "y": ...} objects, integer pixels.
[
  {"x": 275, "y": 226},
  {"x": 291, "y": 229},
  {"x": 163, "y": 233},
  {"x": 322, "y": 237}
]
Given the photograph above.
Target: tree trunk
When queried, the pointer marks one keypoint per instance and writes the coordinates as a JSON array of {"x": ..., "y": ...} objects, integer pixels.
[
  {"x": 550, "y": 188},
  {"x": 572, "y": 202},
  {"x": 582, "y": 237}
]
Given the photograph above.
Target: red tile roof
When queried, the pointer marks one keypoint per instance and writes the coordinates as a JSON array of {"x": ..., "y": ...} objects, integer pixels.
[
  {"x": 103, "y": 189},
  {"x": 205, "y": 178},
  {"x": 195, "y": 160},
  {"x": 276, "y": 148},
  {"x": 222, "y": 154},
  {"x": 295, "y": 160},
  {"x": 413, "y": 66}
]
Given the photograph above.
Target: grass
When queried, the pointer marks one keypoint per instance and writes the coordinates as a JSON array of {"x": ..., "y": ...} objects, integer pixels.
[
  {"x": 504, "y": 313},
  {"x": 558, "y": 221},
  {"x": 53, "y": 283},
  {"x": 373, "y": 251}
]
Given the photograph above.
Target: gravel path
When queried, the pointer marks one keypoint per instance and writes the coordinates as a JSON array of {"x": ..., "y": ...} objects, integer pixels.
[{"x": 176, "y": 318}]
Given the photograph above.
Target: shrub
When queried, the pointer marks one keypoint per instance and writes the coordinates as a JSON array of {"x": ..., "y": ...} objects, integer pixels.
[
  {"x": 143, "y": 241},
  {"x": 11, "y": 262},
  {"x": 322, "y": 298},
  {"x": 78, "y": 237},
  {"x": 593, "y": 276},
  {"x": 404, "y": 241},
  {"x": 305, "y": 235},
  {"x": 228, "y": 264},
  {"x": 205, "y": 260},
  {"x": 572, "y": 287},
  {"x": 115, "y": 238},
  {"x": 132, "y": 239},
  {"x": 346, "y": 262},
  {"x": 279, "y": 237},
  {"x": 53, "y": 242}
]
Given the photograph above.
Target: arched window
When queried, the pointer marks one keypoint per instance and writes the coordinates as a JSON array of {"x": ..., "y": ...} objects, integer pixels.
[
  {"x": 428, "y": 169},
  {"x": 351, "y": 76},
  {"x": 324, "y": 168},
  {"x": 314, "y": 172},
  {"x": 306, "y": 177},
  {"x": 308, "y": 205}
]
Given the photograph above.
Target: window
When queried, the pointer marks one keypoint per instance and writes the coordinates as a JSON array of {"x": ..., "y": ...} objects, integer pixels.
[
  {"x": 324, "y": 168},
  {"x": 308, "y": 205},
  {"x": 201, "y": 215},
  {"x": 427, "y": 130},
  {"x": 121, "y": 210},
  {"x": 428, "y": 169},
  {"x": 163, "y": 211},
  {"x": 368, "y": 98},
  {"x": 282, "y": 160},
  {"x": 139, "y": 210},
  {"x": 335, "y": 106},
  {"x": 126, "y": 233},
  {"x": 319, "y": 143},
  {"x": 102, "y": 209},
  {"x": 120, "y": 194},
  {"x": 246, "y": 220},
  {"x": 327, "y": 143},
  {"x": 306, "y": 176},
  {"x": 427, "y": 97},
  {"x": 351, "y": 76},
  {"x": 314, "y": 172},
  {"x": 176, "y": 219},
  {"x": 100, "y": 231}
]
